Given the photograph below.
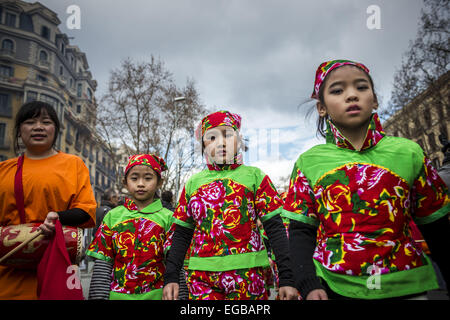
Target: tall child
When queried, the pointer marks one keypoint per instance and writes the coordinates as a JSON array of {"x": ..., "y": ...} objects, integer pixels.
[
  {"x": 350, "y": 200},
  {"x": 129, "y": 245},
  {"x": 218, "y": 211}
]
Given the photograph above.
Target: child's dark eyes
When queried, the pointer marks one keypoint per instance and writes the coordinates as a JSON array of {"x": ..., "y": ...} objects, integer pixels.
[{"x": 336, "y": 91}]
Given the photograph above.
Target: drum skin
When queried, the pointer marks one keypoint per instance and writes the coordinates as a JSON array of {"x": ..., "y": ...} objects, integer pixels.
[{"x": 30, "y": 255}]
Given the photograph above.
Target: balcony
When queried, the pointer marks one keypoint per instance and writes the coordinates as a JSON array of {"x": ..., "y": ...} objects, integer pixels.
[
  {"x": 7, "y": 54},
  {"x": 100, "y": 166},
  {"x": 63, "y": 80},
  {"x": 44, "y": 65}
]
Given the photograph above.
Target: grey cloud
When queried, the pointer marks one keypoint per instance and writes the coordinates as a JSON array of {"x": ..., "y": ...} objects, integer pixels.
[{"x": 253, "y": 56}]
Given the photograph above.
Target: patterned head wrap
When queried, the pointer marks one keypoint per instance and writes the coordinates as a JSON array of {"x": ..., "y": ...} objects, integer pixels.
[
  {"x": 326, "y": 67},
  {"x": 216, "y": 119},
  {"x": 156, "y": 163}
]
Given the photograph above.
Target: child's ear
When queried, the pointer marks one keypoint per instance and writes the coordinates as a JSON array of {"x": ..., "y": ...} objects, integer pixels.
[
  {"x": 321, "y": 109},
  {"x": 375, "y": 102}
]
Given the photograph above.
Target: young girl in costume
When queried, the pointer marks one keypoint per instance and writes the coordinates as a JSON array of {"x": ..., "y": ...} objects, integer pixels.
[
  {"x": 218, "y": 211},
  {"x": 129, "y": 245},
  {"x": 350, "y": 200}
]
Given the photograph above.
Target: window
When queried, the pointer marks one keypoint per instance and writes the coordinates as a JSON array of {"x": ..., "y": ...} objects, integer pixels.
[
  {"x": 43, "y": 56},
  {"x": 31, "y": 96},
  {"x": 26, "y": 22},
  {"x": 8, "y": 46},
  {"x": 89, "y": 91},
  {"x": 45, "y": 32},
  {"x": 2, "y": 134},
  {"x": 61, "y": 70},
  {"x": 10, "y": 19},
  {"x": 41, "y": 78},
  {"x": 5, "y": 105},
  {"x": 78, "y": 108},
  {"x": 50, "y": 100},
  {"x": 79, "y": 90},
  {"x": 6, "y": 71},
  {"x": 427, "y": 117}
]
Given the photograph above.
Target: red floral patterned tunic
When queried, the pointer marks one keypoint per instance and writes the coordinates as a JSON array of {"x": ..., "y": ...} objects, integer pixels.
[
  {"x": 362, "y": 202},
  {"x": 134, "y": 242},
  {"x": 222, "y": 207}
]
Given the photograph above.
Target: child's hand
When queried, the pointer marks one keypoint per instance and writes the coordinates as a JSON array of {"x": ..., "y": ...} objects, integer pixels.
[
  {"x": 317, "y": 294},
  {"x": 288, "y": 293},
  {"x": 170, "y": 291}
]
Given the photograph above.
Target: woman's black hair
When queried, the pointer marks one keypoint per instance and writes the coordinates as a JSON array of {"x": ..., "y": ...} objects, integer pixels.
[
  {"x": 322, "y": 121},
  {"x": 30, "y": 110}
]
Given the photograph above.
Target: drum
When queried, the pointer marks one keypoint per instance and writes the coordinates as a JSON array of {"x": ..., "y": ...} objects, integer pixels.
[{"x": 29, "y": 256}]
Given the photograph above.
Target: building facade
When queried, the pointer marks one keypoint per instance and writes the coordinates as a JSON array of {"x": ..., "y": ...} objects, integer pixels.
[
  {"x": 425, "y": 118},
  {"x": 38, "y": 62}
]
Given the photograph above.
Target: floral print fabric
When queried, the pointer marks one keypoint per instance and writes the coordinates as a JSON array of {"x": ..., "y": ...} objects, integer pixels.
[
  {"x": 135, "y": 246},
  {"x": 241, "y": 284},
  {"x": 363, "y": 210},
  {"x": 224, "y": 214}
]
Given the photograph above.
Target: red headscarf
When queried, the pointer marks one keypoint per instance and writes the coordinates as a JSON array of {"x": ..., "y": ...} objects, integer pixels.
[
  {"x": 326, "y": 67},
  {"x": 156, "y": 163}
]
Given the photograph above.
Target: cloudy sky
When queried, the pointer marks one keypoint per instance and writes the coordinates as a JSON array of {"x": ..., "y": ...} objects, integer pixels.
[{"x": 254, "y": 57}]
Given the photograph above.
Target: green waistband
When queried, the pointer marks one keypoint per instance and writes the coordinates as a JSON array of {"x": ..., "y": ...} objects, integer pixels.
[
  {"x": 230, "y": 262},
  {"x": 389, "y": 285},
  {"x": 155, "y": 294}
]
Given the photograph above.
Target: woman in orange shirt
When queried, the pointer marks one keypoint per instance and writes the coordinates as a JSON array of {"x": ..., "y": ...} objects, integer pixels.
[{"x": 56, "y": 185}]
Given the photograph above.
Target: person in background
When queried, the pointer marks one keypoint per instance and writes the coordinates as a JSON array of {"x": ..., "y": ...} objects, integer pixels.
[
  {"x": 167, "y": 200},
  {"x": 110, "y": 200}
]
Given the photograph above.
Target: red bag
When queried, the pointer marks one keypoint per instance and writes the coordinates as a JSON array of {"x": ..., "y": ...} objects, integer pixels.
[{"x": 57, "y": 278}]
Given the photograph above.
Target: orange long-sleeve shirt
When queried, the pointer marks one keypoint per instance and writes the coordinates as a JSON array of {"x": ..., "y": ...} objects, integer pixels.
[{"x": 57, "y": 183}]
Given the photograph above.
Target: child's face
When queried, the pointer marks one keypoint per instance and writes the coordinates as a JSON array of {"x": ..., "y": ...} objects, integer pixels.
[
  {"x": 142, "y": 183},
  {"x": 221, "y": 144},
  {"x": 349, "y": 98}
]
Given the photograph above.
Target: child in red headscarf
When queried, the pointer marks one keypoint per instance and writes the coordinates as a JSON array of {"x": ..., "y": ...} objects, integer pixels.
[
  {"x": 129, "y": 244},
  {"x": 216, "y": 217},
  {"x": 351, "y": 200}
]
